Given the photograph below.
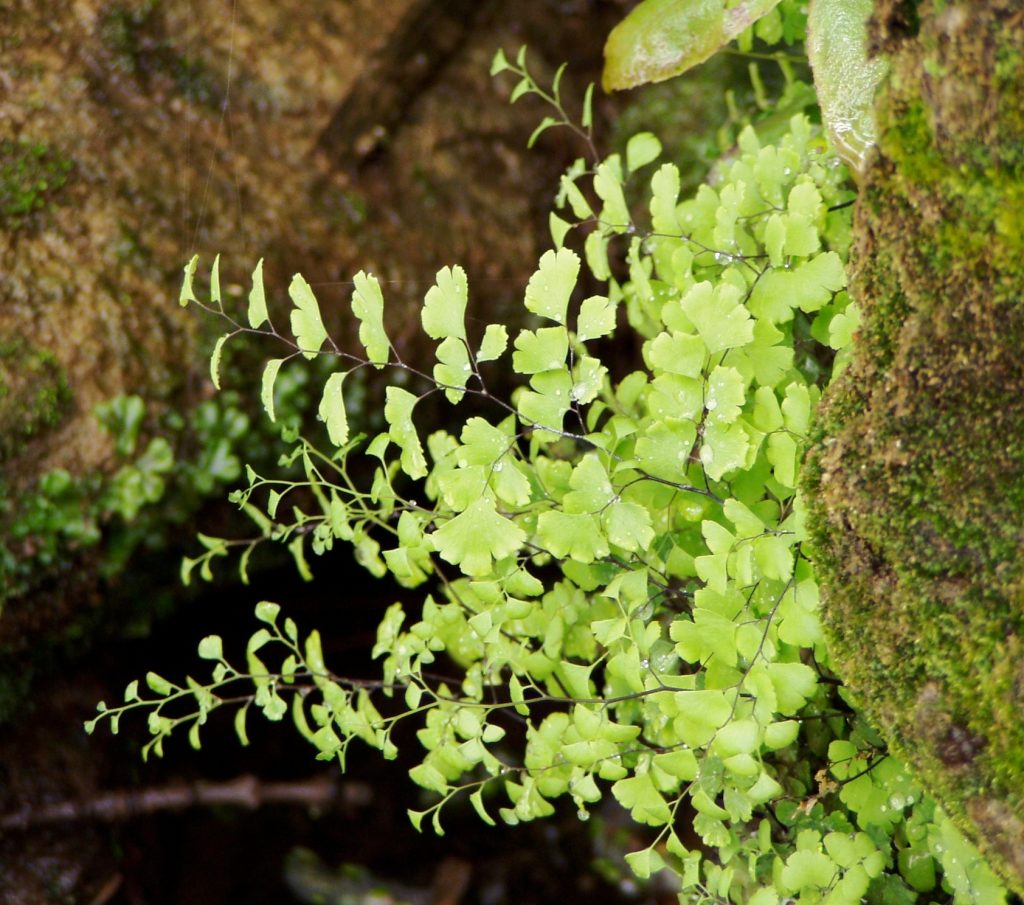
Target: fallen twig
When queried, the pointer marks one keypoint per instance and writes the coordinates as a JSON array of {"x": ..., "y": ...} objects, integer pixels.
[{"x": 245, "y": 791}]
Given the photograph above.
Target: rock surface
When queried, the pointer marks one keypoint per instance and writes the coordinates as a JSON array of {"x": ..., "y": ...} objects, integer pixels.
[{"x": 917, "y": 478}]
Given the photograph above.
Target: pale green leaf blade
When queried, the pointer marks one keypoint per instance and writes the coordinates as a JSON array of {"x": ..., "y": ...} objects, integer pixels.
[
  {"x": 215, "y": 359},
  {"x": 596, "y": 318},
  {"x": 332, "y": 409},
  {"x": 368, "y": 307},
  {"x": 187, "y": 293},
  {"x": 494, "y": 343},
  {"x": 453, "y": 368},
  {"x": 444, "y": 308},
  {"x": 257, "y": 298},
  {"x": 641, "y": 149},
  {"x": 215, "y": 280},
  {"x": 476, "y": 537},
  {"x": 398, "y": 408},
  {"x": 305, "y": 320},
  {"x": 547, "y": 293},
  {"x": 267, "y": 385}
]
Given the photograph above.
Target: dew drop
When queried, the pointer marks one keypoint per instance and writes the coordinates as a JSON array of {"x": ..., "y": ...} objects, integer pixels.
[
  {"x": 712, "y": 405},
  {"x": 582, "y": 814},
  {"x": 787, "y": 172},
  {"x": 498, "y": 466},
  {"x": 706, "y": 455},
  {"x": 645, "y": 663}
]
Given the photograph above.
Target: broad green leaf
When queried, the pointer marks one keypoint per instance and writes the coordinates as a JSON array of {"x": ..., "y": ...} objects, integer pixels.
[
  {"x": 306, "y": 322},
  {"x": 701, "y": 715},
  {"x": 794, "y": 684},
  {"x": 641, "y": 149},
  {"x": 540, "y": 350},
  {"x": 398, "y": 406},
  {"x": 368, "y": 306},
  {"x": 444, "y": 308},
  {"x": 641, "y": 798},
  {"x": 494, "y": 343},
  {"x": 267, "y": 385},
  {"x": 662, "y": 38},
  {"x": 608, "y": 186},
  {"x": 665, "y": 449},
  {"x": 588, "y": 378},
  {"x": 774, "y": 557},
  {"x": 676, "y": 353},
  {"x": 725, "y": 394},
  {"x": 577, "y": 536},
  {"x": 782, "y": 454},
  {"x": 596, "y": 318},
  {"x": 215, "y": 359},
  {"x": 645, "y": 862},
  {"x": 257, "y": 298},
  {"x": 453, "y": 368},
  {"x": 724, "y": 449},
  {"x": 332, "y": 409},
  {"x": 548, "y": 291},
  {"x": 664, "y": 198},
  {"x": 476, "y": 537},
  {"x": 187, "y": 293},
  {"x": 719, "y": 315},
  {"x": 845, "y": 78},
  {"x": 542, "y": 410},
  {"x": 628, "y": 525},
  {"x": 806, "y": 870},
  {"x": 210, "y": 648}
]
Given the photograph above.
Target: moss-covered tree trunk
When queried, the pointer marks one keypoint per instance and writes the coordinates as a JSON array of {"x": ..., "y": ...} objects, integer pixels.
[{"x": 917, "y": 478}]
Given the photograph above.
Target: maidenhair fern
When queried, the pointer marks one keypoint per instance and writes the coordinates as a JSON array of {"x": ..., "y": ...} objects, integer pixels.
[{"x": 617, "y": 593}]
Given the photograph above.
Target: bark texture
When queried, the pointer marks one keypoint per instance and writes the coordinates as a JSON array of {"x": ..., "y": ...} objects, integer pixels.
[{"x": 916, "y": 479}]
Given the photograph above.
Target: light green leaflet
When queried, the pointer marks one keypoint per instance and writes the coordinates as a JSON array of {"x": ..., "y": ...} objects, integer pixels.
[
  {"x": 187, "y": 293},
  {"x": 267, "y": 385},
  {"x": 215, "y": 359},
  {"x": 494, "y": 342},
  {"x": 368, "y": 306},
  {"x": 257, "y": 298},
  {"x": 547, "y": 293},
  {"x": 332, "y": 409},
  {"x": 398, "y": 408},
  {"x": 596, "y": 318},
  {"x": 306, "y": 322},
  {"x": 476, "y": 537},
  {"x": 444, "y": 308},
  {"x": 662, "y": 38}
]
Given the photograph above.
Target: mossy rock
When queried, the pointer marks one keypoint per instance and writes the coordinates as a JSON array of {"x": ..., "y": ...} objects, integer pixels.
[
  {"x": 34, "y": 394},
  {"x": 916, "y": 480},
  {"x": 31, "y": 177}
]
